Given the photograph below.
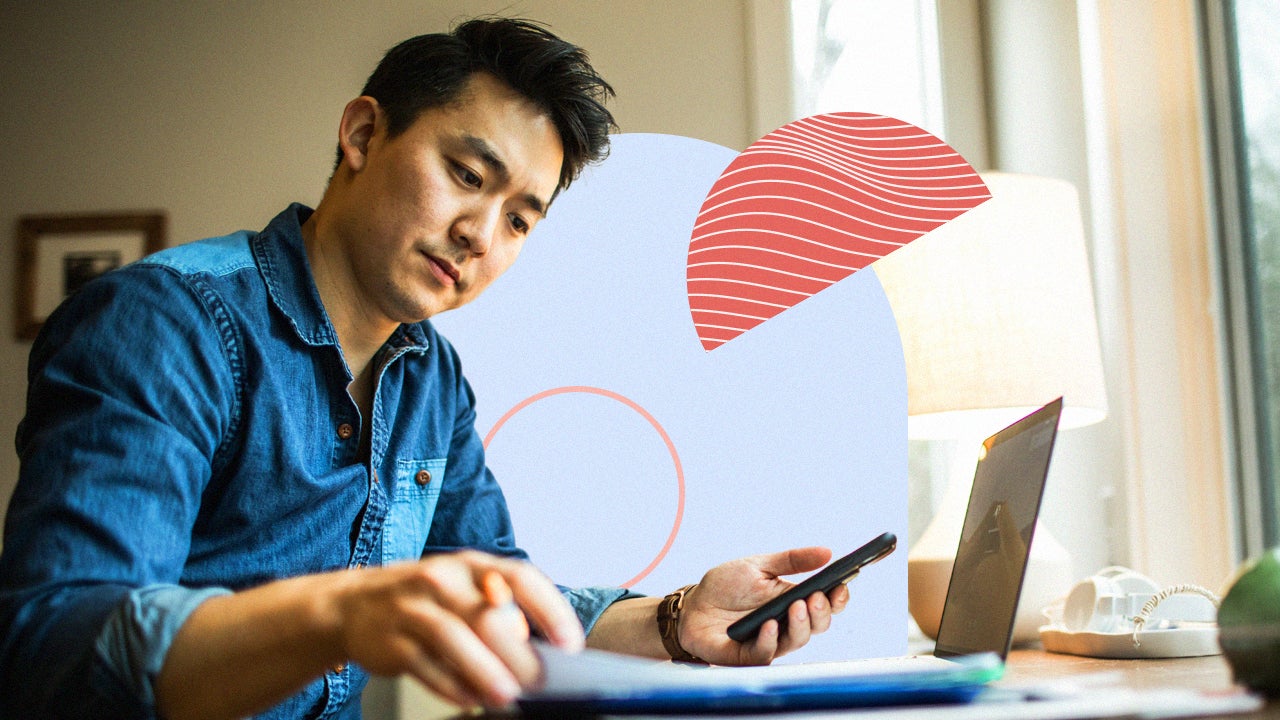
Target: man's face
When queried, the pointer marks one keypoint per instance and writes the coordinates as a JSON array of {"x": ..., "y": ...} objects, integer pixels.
[{"x": 443, "y": 209}]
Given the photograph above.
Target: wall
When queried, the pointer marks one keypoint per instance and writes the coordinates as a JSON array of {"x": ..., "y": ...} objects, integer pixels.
[{"x": 222, "y": 113}]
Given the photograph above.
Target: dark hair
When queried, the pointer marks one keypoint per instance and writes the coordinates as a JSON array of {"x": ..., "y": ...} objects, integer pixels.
[{"x": 430, "y": 71}]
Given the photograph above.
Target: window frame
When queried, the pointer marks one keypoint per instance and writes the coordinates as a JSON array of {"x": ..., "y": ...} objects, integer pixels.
[{"x": 1255, "y": 499}]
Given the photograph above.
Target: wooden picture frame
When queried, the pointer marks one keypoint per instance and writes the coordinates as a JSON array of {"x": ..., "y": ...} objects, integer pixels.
[{"x": 59, "y": 253}]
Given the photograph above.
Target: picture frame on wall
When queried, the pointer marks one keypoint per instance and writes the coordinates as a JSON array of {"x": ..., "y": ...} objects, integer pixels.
[{"x": 58, "y": 254}]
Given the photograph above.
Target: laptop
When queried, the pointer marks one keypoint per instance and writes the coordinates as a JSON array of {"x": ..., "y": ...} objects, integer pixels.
[
  {"x": 974, "y": 636},
  {"x": 995, "y": 540}
]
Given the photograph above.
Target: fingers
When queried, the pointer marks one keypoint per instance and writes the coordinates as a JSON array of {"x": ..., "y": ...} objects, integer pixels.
[
  {"x": 459, "y": 664},
  {"x": 438, "y": 679},
  {"x": 819, "y": 611},
  {"x": 506, "y": 634},
  {"x": 508, "y": 590},
  {"x": 530, "y": 590},
  {"x": 798, "y": 630},
  {"x": 764, "y": 648},
  {"x": 805, "y": 618},
  {"x": 477, "y": 651},
  {"x": 546, "y": 608},
  {"x": 839, "y": 599},
  {"x": 503, "y": 628}
]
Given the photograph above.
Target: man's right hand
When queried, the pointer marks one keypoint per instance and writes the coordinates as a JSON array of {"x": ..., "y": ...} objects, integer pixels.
[{"x": 456, "y": 622}]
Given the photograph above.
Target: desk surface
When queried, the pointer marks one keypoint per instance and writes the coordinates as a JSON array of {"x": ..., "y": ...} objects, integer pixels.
[{"x": 1201, "y": 673}]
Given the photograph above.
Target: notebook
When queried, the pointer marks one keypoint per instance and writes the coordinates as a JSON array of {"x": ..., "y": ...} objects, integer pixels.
[{"x": 974, "y": 636}]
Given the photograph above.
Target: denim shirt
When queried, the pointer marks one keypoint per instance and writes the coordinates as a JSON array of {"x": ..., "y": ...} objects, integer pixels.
[{"x": 189, "y": 433}]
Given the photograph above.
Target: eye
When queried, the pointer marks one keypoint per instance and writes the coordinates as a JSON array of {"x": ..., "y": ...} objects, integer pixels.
[
  {"x": 467, "y": 176},
  {"x": 519, "y": 224}
]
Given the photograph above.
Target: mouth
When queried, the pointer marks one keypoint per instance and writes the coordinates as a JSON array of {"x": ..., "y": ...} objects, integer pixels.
[{"x": 443, "y": 270}]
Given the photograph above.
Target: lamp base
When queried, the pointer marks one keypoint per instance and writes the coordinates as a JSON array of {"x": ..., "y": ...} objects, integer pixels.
[
  {"x": 1047, "y": 578},
  {"x": 927, "y": 581}
]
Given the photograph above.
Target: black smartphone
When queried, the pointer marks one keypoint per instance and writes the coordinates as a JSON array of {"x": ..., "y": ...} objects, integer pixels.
[{"x": 826, "y": 580}]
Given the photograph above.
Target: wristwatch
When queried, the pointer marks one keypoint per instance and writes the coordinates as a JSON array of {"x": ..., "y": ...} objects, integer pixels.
[{"x": 669, "y": 627}]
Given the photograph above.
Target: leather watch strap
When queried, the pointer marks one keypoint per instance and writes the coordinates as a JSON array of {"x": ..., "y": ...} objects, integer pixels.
[{"x": 669, "y": 627}]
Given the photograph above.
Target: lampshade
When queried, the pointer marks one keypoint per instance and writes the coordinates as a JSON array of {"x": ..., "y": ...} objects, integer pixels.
[{"x": 995, "y": 311}]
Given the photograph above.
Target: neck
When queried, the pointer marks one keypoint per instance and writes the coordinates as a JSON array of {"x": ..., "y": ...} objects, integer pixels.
[{"x": 360, "y": 332}]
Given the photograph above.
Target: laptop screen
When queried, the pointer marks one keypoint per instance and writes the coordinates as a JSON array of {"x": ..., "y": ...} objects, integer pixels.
[{"x": 986, "y": 580}]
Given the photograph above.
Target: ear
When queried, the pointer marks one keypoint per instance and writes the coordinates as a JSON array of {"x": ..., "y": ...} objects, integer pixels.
[{"x": 359, "y": 123}]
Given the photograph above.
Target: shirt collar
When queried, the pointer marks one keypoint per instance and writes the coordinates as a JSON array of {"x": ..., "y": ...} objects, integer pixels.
[{"x": 282, "y": 259}]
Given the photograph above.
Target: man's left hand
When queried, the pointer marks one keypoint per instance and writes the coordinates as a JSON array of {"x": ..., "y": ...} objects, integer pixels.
[{"x": 729, "y": 591}]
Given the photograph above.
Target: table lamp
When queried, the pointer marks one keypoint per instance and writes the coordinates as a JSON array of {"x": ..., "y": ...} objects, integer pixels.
[{"x": 995, "y": 310}]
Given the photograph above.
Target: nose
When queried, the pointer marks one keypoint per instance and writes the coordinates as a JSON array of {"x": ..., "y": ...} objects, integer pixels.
[{"x": 476, "y": 228}]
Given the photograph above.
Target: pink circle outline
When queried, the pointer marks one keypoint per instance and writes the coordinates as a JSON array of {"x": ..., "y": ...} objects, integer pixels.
[{"x": 671, "y": 448}]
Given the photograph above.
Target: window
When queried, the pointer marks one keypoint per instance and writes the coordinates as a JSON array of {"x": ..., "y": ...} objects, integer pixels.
[
  {"x": 867, "y": 56},
  {"x": 1243, "y": 62}
]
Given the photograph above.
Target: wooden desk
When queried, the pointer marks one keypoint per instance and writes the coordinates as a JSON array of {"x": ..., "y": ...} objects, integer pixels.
[{"x": 1202, "y": 673}]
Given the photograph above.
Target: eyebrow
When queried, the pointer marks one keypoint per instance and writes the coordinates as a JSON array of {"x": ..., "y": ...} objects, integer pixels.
[{"x": 489, "y": 157}]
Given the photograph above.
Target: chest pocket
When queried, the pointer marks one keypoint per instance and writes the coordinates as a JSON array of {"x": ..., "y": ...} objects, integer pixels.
[{"x": 414, "y": 494}]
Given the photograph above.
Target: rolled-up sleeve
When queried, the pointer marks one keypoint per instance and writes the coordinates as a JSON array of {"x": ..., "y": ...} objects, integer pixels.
[
  {"x": 139, "y": 630},
  {"x": 130, "y": 394},
  {"x": 591, "y": 602}
]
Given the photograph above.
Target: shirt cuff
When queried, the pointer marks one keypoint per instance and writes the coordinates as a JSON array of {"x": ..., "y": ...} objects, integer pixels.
[
  {"x": 591, "y": 602},
  {"x": 138, "y": 632}
]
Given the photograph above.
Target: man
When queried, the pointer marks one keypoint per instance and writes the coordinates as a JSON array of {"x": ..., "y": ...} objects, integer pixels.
[{"x": 250, "y": 473}]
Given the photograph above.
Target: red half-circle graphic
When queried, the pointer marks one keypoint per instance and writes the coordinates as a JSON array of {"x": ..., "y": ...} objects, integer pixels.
[{"x": 810, "y": 204}]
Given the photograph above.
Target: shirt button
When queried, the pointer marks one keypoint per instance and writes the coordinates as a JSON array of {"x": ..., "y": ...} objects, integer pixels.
[
  {"x": 422, "y": 478},
  {"x": 345, "y": 431},
  {"x": 337, "y": 669}
]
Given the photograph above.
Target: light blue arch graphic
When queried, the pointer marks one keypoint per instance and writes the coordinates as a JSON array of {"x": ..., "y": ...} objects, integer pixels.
[{"x": 794, "y": 434}]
